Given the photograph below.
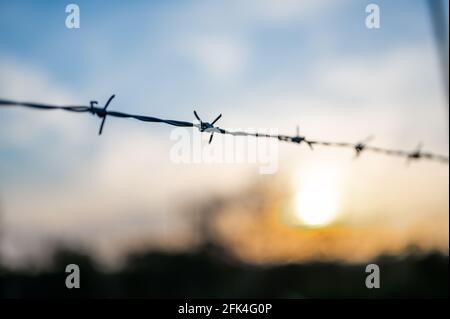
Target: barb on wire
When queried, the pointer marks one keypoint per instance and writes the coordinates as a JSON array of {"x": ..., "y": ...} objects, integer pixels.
[
  {"x": 300, "y": 139},
  {"x": 361, "y": 146},
  {"x": 208, "y": 127},
  {"x": 103, "y": 112},
  {"x": 416, "y": 154}
]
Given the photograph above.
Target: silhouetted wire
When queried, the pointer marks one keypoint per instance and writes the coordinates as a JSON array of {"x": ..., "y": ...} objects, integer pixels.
[{"x": 207, "y": 127}]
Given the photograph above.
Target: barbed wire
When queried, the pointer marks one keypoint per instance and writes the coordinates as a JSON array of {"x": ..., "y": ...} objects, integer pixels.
[{"x": 209, "y": 127}]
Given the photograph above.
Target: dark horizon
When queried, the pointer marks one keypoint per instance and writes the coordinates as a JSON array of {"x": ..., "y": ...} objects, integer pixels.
[{"x": 208, "y": 272}]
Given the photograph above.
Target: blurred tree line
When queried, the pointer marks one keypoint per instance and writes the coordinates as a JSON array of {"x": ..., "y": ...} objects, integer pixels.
[{"x": 208, "y": 272}]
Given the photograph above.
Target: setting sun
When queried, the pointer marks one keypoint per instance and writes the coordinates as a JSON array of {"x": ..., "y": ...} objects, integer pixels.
[
  {"x": 316, "y": 201},
  {"x": 316, "y": 207}
]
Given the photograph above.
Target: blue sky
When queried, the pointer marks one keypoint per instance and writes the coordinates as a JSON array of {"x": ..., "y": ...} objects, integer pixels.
[
  {"x": 265, "y": 64},
  {"x": 134, "y": 49},
  {"x": 165, "y": 58}
]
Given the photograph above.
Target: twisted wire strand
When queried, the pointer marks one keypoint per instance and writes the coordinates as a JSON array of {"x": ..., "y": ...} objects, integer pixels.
[{"x": 207, "y": 127}]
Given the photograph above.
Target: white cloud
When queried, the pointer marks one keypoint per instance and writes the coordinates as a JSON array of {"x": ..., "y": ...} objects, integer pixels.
[
  {"x": 222, "y": 57},
  {"x": 395, "y": 95},
  {"x": 24, "y": 82}
]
